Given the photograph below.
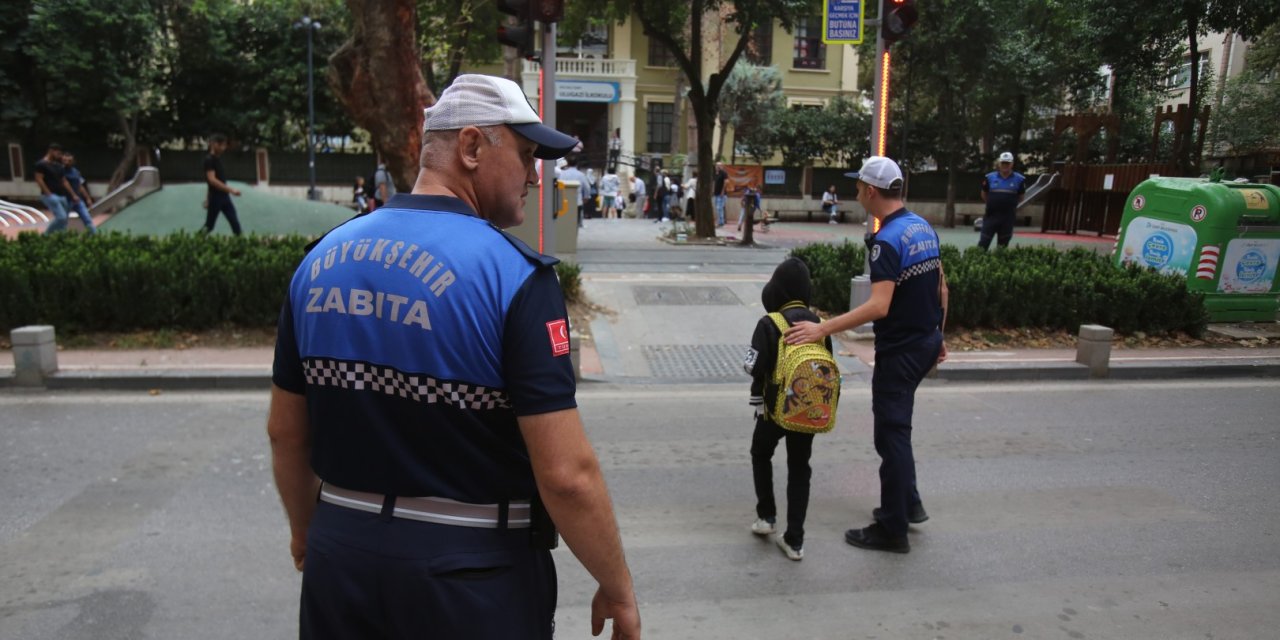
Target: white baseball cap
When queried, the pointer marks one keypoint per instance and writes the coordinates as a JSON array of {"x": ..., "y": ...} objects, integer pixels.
[
  {"x": 484, "y": 101},
  {"x": 879, "y": 171},
  {"x": 1006, "y": 157}
]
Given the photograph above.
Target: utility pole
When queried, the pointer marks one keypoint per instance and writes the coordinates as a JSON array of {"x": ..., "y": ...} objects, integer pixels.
[
  {"x": 546, "y": 185},
  {"x": 311, "y": 26}
]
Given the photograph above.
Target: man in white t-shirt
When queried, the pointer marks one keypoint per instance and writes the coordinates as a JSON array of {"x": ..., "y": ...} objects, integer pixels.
[{"x": 609, "y": 188}]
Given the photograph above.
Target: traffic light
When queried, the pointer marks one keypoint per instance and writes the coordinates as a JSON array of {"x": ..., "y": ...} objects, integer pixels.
[
  {"x": 896, "y": 19},
  {"x": 521, "y": 35},
  {"x": 548, "y": 11}
]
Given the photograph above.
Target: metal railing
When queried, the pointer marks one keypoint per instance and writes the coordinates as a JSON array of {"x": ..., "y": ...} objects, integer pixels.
[{"x": 589, "y": 67}]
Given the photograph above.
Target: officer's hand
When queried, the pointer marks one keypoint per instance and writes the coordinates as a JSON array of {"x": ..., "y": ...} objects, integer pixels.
[
  {"x": 942, "y": 354},
  {"x": 235, "y": 192},
  {"x": 804, "y": 332},
  {"x": 298, "y": 547},
  {"x": 624, "y": 613}
]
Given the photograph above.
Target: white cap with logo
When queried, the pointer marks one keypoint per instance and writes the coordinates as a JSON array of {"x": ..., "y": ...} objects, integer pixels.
[
  {"x": 879, "y": 171},
  {"x": 475, "y": 100},
  {"x": 1006, "y": 157}
]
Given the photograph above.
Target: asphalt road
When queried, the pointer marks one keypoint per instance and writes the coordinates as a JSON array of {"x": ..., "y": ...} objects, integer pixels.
[{"x": 1072, "y": 510}]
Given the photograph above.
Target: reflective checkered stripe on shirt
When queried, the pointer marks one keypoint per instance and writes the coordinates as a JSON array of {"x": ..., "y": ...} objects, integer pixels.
[
  {"x": 362, "y": 375},
  {"x": 919, "y": 269}
]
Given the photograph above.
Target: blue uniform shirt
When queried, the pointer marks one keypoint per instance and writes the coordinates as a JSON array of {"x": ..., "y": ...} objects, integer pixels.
[
  {"x": 418, "y": 333},
  {"x": 906, "y": 252},
  {"x": 1003, "y": 193}
]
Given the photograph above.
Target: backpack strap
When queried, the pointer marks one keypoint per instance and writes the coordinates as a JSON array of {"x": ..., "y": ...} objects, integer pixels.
[{"x": 779, "y": 320}]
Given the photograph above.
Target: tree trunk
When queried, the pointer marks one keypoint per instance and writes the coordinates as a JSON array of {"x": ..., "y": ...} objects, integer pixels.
[
  {"x": 377, "y": 77},
  {"x": 128, "y": 127},
  {"x": 705, "y": 218}
]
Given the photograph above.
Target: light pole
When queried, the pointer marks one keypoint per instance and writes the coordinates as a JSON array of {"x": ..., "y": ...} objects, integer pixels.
[{"x": 311, "y": 26}]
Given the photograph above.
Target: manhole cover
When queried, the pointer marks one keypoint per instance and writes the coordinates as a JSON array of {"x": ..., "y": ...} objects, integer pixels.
[
  {"x": 652, "y": 295},
  {"x": 695, "y": 360}
]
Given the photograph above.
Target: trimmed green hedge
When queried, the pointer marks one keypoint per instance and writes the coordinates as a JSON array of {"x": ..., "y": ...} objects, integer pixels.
[
  {"x": 118, "y": 282},
  {"x": 831, "y": 267},
  {"x": 1031, "y": 287}
]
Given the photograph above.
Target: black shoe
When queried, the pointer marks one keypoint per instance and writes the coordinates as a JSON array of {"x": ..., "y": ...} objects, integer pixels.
[
  {"x": 916, "y": 515},
  {"x": 876, "y": 538}
]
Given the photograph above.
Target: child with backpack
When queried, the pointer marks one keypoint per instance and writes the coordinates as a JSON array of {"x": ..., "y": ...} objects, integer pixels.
[{"x": 794, "y": 390}]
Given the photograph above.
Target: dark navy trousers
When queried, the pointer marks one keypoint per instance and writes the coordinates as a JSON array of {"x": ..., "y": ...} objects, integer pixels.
[
  {"x": 221, "y": 203},
  {"x": 371, "y": 576},
  {"x": 893, "y": 398}
]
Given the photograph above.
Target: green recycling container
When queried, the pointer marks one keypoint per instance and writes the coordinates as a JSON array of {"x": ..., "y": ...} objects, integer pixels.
[{"x": 1223, "y": 236}]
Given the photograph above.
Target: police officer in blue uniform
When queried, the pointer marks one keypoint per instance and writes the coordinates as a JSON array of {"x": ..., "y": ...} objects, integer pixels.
[
  {"x": 908, "y": 305},
  {"x": 425, "y": 436},
  {"x": 1002, "y": 191}
]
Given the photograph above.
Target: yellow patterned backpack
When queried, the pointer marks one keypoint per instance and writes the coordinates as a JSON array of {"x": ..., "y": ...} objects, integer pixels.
[{"x": 808, "y": 382}]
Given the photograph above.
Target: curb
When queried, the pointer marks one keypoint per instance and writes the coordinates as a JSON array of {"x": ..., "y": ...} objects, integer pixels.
[{"x": 239, "y": 380}]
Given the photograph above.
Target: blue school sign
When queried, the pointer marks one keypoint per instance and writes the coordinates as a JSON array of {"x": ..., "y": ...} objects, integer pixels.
[{"x": 842, "y": 21}]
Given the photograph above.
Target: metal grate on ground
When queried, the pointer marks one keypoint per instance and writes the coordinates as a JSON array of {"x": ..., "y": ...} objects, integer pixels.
[
  {"x": 646, "y": 295},
  {"x": 695, "y": 360}
]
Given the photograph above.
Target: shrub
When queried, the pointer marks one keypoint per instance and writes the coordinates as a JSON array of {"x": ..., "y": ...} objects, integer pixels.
[
  {"x": 123, "y": 282},
  {"x": 1037, "y": 287},
  {"x": 570, "y": 275},
  {"x": 831, "y": 267}
]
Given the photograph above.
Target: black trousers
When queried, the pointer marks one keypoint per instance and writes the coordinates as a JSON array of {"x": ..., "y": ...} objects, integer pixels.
[
  {"x": 221, "y": 204},
  {"x": 893, "y": 398},
  {"x": 371, "y": 576},
  {"x": 799, "y": 448},
  {"x": 998, "y": 224}
]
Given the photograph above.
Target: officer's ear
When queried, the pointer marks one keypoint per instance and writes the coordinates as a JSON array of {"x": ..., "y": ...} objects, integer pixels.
[{"x": 468, "y": 149}]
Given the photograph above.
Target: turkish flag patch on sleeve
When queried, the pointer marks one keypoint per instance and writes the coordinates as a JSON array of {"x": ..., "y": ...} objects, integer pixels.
[{"x": 558, "y": 331}]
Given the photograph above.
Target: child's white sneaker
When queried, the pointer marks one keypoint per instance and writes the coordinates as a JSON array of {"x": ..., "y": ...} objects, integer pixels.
[
  {"x": 762, "y": 527},
  {"x": 795, "y": 553}
]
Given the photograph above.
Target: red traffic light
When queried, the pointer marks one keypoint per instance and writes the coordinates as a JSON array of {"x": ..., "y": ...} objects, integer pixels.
[{"x": 896, "y": 19}]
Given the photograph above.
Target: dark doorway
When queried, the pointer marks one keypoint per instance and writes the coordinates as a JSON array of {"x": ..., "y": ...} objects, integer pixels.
[{"x": 589, "y": 121}]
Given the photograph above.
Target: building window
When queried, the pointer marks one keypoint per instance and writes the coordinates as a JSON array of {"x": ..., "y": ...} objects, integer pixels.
[
  {"x": 810, "y": 52},
  {"x": 658, "y": 120},
  {"x": 659, "y": 55},
  {"x": 760, "y": 45},
  {"x": 1180, "y": 76}
]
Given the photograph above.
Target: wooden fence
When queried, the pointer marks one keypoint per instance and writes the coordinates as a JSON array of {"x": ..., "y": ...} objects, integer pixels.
[{"x": 1084, "y": 202}]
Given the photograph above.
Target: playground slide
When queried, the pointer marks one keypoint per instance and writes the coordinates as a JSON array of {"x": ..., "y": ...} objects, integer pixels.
[
  {"x": 145, "y": 181},
  {"x": 1043, "y": 183}
]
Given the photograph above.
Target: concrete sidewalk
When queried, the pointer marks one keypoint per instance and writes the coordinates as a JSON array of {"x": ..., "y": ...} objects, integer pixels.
[{"x": 676, "y": 314}]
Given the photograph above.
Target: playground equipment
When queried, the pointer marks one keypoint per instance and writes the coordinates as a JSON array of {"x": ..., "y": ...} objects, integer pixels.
[
  {"x": 145, "y": 181},
  {"x": 20, "y": 214}
]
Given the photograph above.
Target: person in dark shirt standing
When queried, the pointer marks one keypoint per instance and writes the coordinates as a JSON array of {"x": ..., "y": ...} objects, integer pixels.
[
  {"x": 720, "y": 196},
  {"x": 219, "y": 199},
  {"x": 909, "y": 306},
  {"x": 1002, "y": 191},
  {"x": 55, "y": 193}
]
